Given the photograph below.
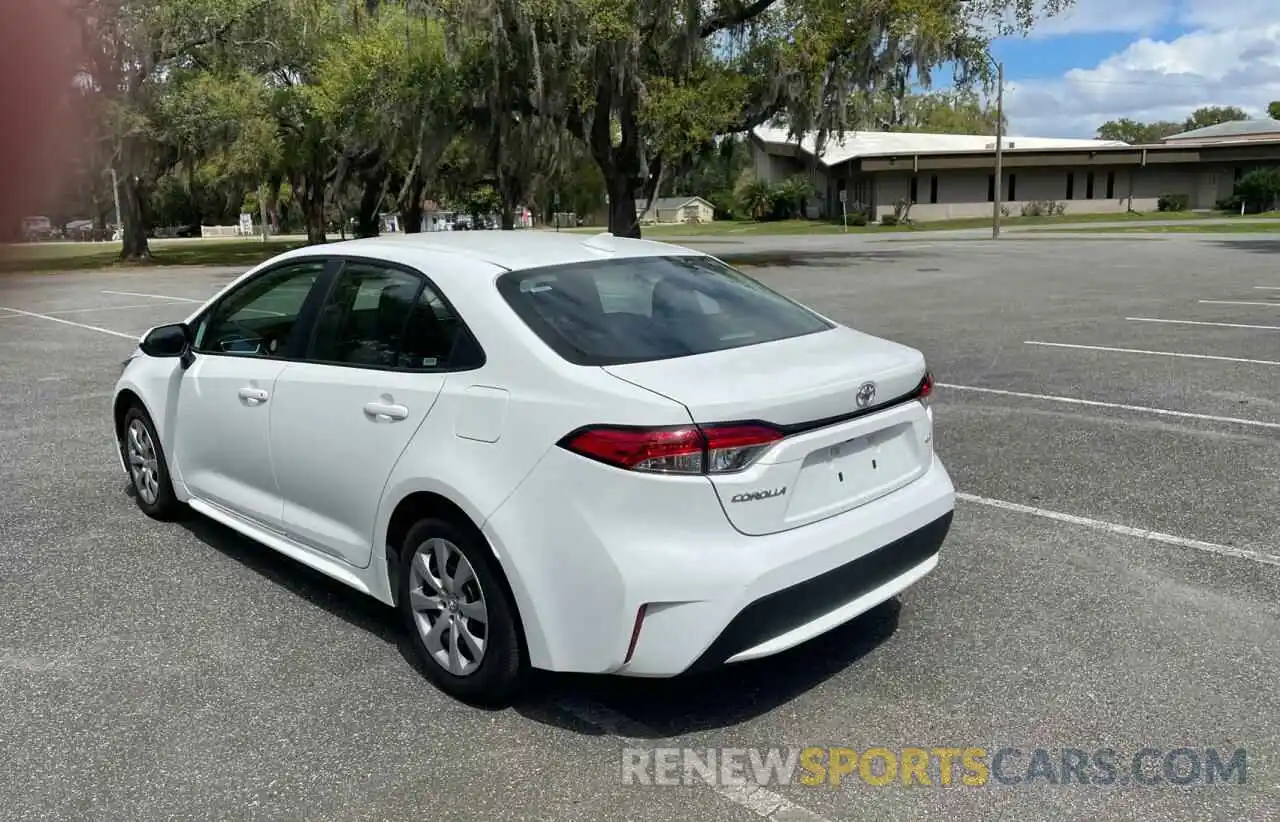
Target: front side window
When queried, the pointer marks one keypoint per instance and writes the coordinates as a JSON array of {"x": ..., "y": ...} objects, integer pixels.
[
  {"x": 258, "y": 318},
  {"x": 650, "y": 308},
  {"x": 382, "y": 317}
]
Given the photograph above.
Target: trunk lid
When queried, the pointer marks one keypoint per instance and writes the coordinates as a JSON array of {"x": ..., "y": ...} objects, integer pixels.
[{"x": 836, "y": 455}]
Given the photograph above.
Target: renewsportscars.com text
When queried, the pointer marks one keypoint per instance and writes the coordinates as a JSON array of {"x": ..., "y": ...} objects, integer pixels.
[{"x": 937, "y": 766}]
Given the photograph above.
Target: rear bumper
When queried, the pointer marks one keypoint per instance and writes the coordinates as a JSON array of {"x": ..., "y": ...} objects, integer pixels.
[
  {"x": 788, "y": 617},
  {"x": 586, "y": 548}
]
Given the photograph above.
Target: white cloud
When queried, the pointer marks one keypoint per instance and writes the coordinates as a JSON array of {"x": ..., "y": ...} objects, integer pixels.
[
  {"x": 1230, "y": 57},
  {"x": 1104, "y": 17}
]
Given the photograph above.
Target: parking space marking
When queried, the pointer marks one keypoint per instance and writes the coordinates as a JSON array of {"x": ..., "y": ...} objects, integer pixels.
[
  {"x": 153, "y": 296},
  {"x": 1125, "y": 530},
  {"x": 106, "y": 308},
  {"x": 1240, "y": 302},
  {"x": 69, "y": 322},
  {"x": 1145, "y": 409},
  {"x": 1267, "y": 287},
  {"x": 1201, "y": 322},
  {"x": 759, "y": 800},
  {"x": 1154, "y": 353}
]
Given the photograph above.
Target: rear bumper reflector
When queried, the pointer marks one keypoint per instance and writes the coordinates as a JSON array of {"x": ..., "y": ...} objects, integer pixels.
[{"x": 635, "y": 634}]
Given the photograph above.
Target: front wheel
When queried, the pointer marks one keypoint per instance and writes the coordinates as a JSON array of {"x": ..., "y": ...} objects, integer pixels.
[
  {"x": 460, "y": 618},
  {"x": 148, "y": 471}
]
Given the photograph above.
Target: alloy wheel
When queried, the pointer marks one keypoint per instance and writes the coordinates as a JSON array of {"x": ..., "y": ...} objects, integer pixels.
[
  {"x": 448, "y": 606},
  {"x": 144, "y": 465}
]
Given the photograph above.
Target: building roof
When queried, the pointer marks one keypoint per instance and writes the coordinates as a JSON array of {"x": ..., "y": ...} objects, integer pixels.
[
  {"x": 672, "y": 203},
  {"x": 856, "y": 144},
  {"x": 512, "y": 250},
  {"x": 1232, "y": 128}
]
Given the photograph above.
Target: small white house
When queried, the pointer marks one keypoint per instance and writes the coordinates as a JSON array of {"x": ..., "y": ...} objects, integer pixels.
[{"x": 677, "y": 210}]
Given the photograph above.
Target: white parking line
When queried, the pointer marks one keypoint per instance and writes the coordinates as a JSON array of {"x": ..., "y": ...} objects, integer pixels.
[
  {"x": 1154, "y": 353},
  {"x": 1125, "y": 530},
  {"x": 190, "y": 300},
  {"x": 1240, "y": 302},
  {"x": 759, "y": 800},
  {"x": 69, "y": 322},
  {"x": 153, "y": 296},
  {"x": 1144, "y": 409},
  {"x": 1200, "y": 322},
  {"x": 62, "y": 311}
]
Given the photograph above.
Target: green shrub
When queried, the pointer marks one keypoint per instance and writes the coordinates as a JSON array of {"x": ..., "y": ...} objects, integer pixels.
[
  {"x": 1174, "y": 202},
  {"x": 858, "y": 218},
  {"x": 1231, "y": 204},
  {"x": 1259, "y": 189},
  {"x": 888, "y": 219},
  {"x": 1043, "y": 208}
]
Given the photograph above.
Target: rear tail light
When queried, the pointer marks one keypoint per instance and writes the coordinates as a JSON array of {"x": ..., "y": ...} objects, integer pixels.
[
  {"x": 925, "y": 389},
  {"x": 689, "y": 449}
]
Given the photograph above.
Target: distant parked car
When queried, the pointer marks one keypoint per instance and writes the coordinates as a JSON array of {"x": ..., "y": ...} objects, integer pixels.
[{"x": 35, "y": 229}]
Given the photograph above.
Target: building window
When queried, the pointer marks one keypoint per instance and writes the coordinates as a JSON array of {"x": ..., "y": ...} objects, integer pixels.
[
  {"x": 1088, "y": 186},
  {"x": 1111, "y": 185},
  {"x": 991, "y": 188},
  {"x": 1013, "y": 187},
  {"x": 933, "y": 188},
  {"x": 1239, "y": 173},
  {"x": 915, "y": 188},
  {"x": 1071, "y": 186}
]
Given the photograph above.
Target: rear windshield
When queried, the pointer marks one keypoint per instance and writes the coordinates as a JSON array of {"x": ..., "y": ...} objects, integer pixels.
[{"x": 650, "y": 308}]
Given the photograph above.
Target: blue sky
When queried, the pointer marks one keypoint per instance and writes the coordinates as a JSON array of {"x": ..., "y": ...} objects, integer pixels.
[{"x": 1144, "y": 59}]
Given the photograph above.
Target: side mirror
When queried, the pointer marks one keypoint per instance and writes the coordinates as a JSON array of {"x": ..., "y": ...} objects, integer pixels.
[{"x": 167, "y": 341}]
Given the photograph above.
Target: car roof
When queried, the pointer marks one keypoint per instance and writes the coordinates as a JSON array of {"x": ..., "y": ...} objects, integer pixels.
[{"x": 511, "y": 250}]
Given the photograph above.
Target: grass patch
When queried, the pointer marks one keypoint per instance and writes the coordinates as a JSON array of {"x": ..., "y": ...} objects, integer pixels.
[
  {"x": 749, "y": 227},
  {"x": 1240, "y": 227},
  {"x": 41, "y": 257}
]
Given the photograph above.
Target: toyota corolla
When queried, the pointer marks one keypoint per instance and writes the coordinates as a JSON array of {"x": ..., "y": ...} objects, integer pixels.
[{"x": 585, "y": 454}]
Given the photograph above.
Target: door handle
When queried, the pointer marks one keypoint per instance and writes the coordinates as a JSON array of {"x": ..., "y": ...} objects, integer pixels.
[
  {"x": 386, "y": 411},
  {"x": 253, "y": 396}
]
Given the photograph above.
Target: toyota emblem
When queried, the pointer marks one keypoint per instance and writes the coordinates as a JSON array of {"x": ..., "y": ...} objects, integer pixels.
[{"x": 866, "y": 393}]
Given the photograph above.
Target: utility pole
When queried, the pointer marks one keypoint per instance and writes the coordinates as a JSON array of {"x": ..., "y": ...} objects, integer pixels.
[
  {"x": 999, "y": 186},
  {"x": 262, "y": 209},
  {"x": 115, "y": 193}
]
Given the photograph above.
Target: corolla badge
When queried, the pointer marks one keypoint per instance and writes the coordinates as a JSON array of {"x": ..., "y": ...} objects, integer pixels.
[
  {"x": 866, "y": 393},
  {"x": 752, "y": 496}
]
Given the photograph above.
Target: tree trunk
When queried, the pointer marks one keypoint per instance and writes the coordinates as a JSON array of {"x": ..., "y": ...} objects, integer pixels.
[
  {"x": 274, "y": 182},
  {"x": 133, "y": 215},
  {"x": 622, "y": 206},
  {"x": 368, "y": 222},
  {"x": 197, "y": 214},
  {"x": 312, "y": 190},
  {"x": 411, "y": 213}
]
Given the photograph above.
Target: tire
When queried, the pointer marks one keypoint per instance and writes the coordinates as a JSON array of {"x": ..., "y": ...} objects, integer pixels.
[
  {"x": 152, "y": 489},
  {"x": 451, "y": 604}
]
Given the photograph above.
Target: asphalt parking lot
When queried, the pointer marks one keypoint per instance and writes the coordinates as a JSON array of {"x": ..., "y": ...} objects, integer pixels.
[{"x": 1109, "y": 410}]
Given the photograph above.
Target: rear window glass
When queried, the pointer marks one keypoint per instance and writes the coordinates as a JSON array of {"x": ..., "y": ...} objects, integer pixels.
[{"x": 650, "y": 308}]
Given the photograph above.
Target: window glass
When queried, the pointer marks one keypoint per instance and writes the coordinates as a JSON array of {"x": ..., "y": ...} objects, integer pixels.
[
  {"x": 650, "y": 308},
  {"x": 258, "y": 318},
  {"x": 384, "y": 318}
]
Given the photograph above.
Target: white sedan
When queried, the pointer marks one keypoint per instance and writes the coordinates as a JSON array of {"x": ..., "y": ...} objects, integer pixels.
[{"x": 550, "y": 451}]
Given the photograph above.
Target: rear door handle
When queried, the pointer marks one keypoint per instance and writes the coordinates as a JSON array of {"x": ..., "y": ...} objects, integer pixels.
[
  {"x": 387, "y": 411},
  {"x": 253, "y": 396}
]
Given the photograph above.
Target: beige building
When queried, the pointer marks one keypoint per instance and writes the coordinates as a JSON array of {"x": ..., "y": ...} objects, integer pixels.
[
  {"x": 948, "y": 176},
  {"x": 676, "y": 210}
]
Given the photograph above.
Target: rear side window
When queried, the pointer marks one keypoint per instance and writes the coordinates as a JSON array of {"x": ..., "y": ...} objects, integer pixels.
[
  {"x": 650, "y": 308},
  {"x": 377, "y": 316}
]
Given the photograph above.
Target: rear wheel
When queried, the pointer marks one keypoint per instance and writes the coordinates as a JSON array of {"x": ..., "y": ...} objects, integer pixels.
[
  {"x": 148, "y": 471},
  {"x": 459, "y": 615}
]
